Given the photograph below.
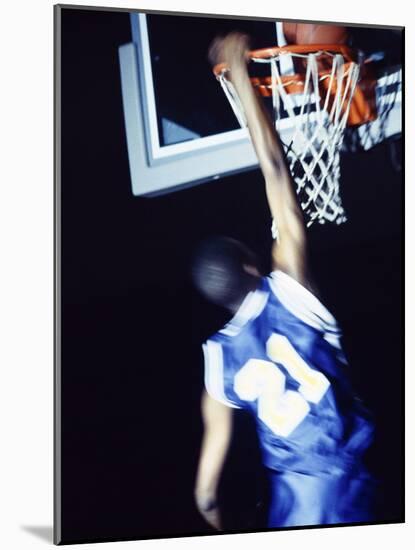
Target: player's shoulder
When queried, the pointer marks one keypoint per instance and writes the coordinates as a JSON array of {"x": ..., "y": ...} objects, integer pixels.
[{"x": 301, "y": 302}]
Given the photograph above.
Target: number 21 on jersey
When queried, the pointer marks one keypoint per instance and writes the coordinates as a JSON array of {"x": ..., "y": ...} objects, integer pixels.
[{"x": 280, "y": 409}]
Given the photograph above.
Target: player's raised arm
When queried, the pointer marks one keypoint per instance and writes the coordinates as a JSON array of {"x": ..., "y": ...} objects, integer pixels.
[
  {"x": 217, "y": 420},
  {"x": 289, "y": 252}
]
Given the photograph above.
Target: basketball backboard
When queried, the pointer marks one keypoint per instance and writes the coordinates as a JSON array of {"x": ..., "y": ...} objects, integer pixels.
[{"x": 180, "y": 128}]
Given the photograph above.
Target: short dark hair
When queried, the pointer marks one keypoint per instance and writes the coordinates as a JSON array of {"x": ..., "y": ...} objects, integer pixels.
[{"x": 218, "y": 270}]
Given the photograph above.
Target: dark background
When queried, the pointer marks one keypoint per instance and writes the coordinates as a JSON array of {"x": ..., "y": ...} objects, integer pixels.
[{"x": 132, "y": 325}]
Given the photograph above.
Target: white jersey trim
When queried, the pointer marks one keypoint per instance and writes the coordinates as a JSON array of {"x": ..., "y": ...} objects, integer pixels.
[
  {"x": 214, "y": 381},
  {"x": 304, "y": 305},
  {"x": 250, "y": 309}
]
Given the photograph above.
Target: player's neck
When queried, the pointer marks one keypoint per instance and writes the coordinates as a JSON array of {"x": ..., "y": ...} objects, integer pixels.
[{"x": 253, "y": 285}]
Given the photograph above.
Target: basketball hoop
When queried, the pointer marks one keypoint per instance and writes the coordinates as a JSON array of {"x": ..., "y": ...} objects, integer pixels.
[{"x": 314, "y": 109}]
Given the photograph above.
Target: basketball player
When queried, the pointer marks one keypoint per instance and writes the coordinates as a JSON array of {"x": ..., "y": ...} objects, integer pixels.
[{"x": 280, "y": 356}]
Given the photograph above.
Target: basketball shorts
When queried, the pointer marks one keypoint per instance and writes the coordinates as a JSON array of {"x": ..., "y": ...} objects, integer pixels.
[{"x": 301, "y": 499}]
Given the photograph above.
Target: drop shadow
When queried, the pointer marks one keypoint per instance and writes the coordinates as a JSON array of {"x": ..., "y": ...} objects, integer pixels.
[{"x": 44, "y": 532}]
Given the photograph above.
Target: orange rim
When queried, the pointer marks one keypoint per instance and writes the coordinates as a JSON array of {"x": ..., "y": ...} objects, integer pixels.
[
  {"x": 363, "y": 103},
  {"x": 293, "y": 83},
  {"x": 265, "y": 53}
]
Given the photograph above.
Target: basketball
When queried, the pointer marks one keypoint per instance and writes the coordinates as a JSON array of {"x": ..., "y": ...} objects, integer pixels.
[{"x": 304, "y": 33}]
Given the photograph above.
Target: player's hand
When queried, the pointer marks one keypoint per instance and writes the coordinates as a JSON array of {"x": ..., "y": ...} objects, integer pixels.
[
  {"x": 209, "y": 509},
  {"x": 213, "y": 518},
  {"x": 232, "y": 50}
]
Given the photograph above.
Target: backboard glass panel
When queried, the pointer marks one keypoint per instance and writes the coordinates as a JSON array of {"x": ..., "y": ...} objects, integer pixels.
[
  {"x": 180, "y": 128},
  {"x": 186, "y": 94}
]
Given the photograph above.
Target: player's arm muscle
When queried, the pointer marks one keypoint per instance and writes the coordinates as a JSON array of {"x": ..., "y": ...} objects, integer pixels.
[
  {"x": 217, "y": 420},
  {"x": 290, "y": 251}
]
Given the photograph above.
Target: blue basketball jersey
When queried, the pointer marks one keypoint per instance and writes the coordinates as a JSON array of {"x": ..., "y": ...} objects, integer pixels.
[{"x": 281, "y": 358}]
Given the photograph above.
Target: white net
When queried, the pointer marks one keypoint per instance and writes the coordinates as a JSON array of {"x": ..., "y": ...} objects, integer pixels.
[{"x": 317, "y": 114}]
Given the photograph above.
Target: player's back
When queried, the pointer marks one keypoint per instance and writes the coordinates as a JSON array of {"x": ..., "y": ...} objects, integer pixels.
[{"x": 281, "y": 358}]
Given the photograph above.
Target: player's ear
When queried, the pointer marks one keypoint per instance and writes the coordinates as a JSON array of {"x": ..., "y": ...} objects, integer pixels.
[
  {"x": 215, "y": 50},
  {"x": 251, "y": 269}
]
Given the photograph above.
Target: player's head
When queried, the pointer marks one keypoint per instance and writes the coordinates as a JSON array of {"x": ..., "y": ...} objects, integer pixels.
[{"x": 224, "y": 270}]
